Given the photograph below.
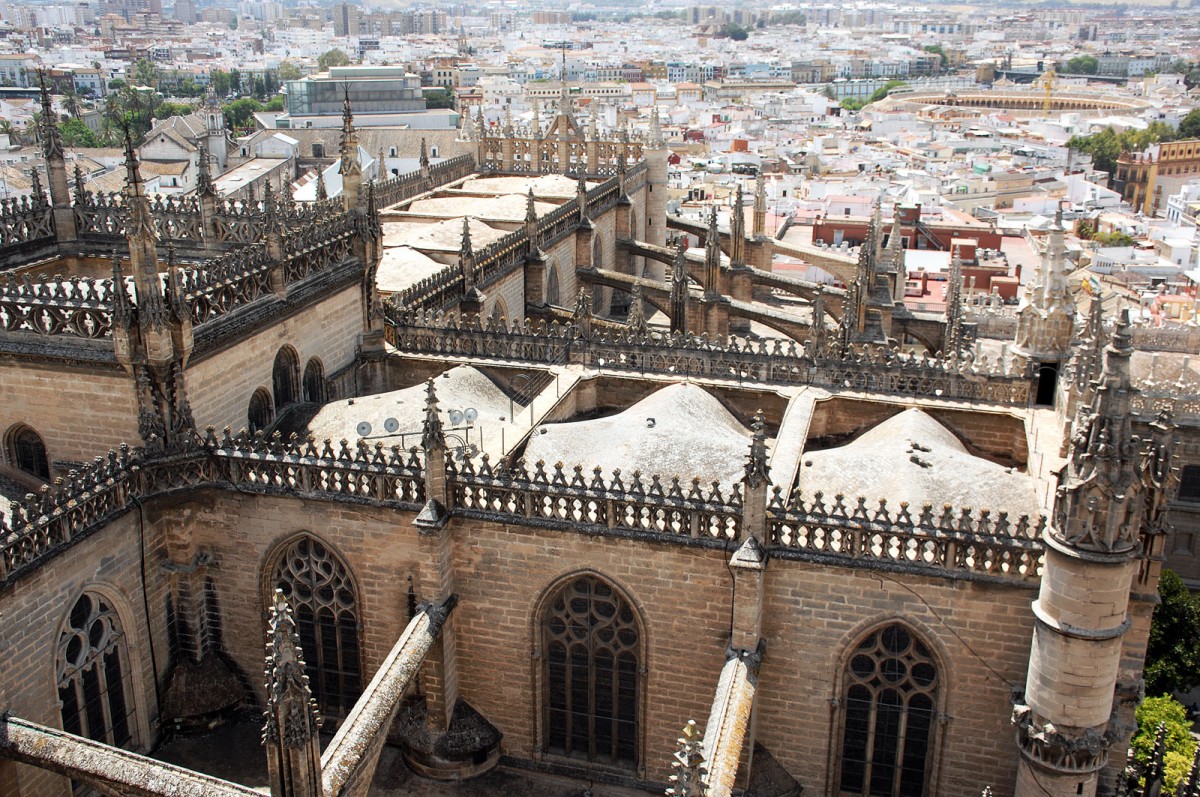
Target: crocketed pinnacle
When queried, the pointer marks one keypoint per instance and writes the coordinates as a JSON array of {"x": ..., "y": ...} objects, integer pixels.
[{"x": 432, "y": 436}]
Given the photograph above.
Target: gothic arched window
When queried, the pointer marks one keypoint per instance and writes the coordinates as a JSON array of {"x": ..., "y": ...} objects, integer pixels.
[
  {"x": 285, "y": 377},
  {"x": 92, "y": 671},
  {"x": 593, "y": 660},
  {"x": 888, "y": 709},
  {"x": 261, "y": 412},
  {"x": 322, "y": 595},
  {"x": 27, "y": 452},
  {"x": 314, "y": 382}
]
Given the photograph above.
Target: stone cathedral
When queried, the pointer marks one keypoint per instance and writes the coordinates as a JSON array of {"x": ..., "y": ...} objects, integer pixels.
[{"x": 506, "y": 466}]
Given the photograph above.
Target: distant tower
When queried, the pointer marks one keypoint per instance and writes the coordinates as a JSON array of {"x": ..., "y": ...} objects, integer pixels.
[
  {"x": 215, "y": 139},
  {"x": 1046, "y": 317},
  {"x": 656, "y": 155}
]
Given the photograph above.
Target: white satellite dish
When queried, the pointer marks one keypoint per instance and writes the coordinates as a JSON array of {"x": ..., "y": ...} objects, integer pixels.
[
  {"x": 363, "y": 429},
  {"x": 470, "y": 414},
  {"x": 456, "y": 417},
  {"x": 391, "y": 425}
]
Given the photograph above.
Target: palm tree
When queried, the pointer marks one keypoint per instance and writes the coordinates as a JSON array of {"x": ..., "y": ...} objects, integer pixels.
[{"x": 71, "y": 103}]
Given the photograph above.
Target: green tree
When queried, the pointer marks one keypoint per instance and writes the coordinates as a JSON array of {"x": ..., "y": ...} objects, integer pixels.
[
  {"x": 1082, "y": 65},
  {"x": 852, "y": 104},
  {"x": 168, "y": 109},
  {"x": 736, "y": 32},
  {"x": 1189, "y": 126},
  {"x": 220, "y": 82},
  {"x": 1180, "y": 746},
  {"x": 1173, "y": 651},
  {"x": 239, "y": 112},
  {"x": 442, "y": 98},
  {"x": 884, "y": 90},
  {"x": 235, "y": 81},
  {"x": 274, "y": 104},
  {"x": 145, "y": 73},
  {"x": 334, "y": 57},
  {"x": 1113, "y": 239},
  {"x": 289, "y": 71},
  {"x": 76, "y": 134}
]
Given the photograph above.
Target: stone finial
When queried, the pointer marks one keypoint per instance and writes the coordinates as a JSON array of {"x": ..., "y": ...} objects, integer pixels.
[
  {"x": 52, "y": 146},
  {"x": 689, "y": 765},
  {"x": 80, "y": 188},
  {"x": 508, "y": 127},
  {"x": 712, "y": 257},
  {"x": 1156, "y": 770},
  {"x": 424, "y": 158},
  {"x": 582, "y": 315},
  {"x": 36, "y": 192},
  {"x": 291, "y": 716},
  {"x": 760, "y": 206},
  {"x": 349, "y": 147},
  {"x": 954, "y": 307},
  {"x": 204, "y": 182},
  {"x": 817, "y": 330},
  {"x": 581, "y": 196},
  {"x": 467, "y": 132},
  {"x": 1159, "y": 476},
  {"x": 322, "y": 191},
  {"x": 679, "y": 289},
  {"x": 737, "y": 229},
  {"x": 637, "y": 312},
  {"x": 530, "y": 208},
  {"x": 757, "y": 469},
  {"x": 432, "y": 436}
]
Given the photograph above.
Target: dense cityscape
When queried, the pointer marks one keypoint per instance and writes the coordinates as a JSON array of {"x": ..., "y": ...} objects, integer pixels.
[{"x": 621, "y": 399}]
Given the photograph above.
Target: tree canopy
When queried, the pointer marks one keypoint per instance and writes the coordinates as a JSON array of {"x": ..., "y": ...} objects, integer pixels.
[
  {"x": 1107, "y": 145},
  {"x": 334, "y": 57},
  {"x": 736, "y": 32},
  {"x": 1173, "y": 652},
  {"x": 1180, "y": 746},
  {"x": 1189, "y": 126},
  {"x": 1082, "y": 65}
]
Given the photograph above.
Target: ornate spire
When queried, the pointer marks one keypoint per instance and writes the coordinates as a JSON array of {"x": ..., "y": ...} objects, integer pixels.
[
  {"x": 424, "y": 158},
  {"x": 142, "y": 239},
  {"x": 204, "y": 182},
  {"x": 757, "y": 468},
  {"x": 656, "y": 136},
  {"x": 760, "y": 206},
  {"x": 690, "y": 771},
  {"x": 1190, "y": 787},
  {"x": 712, "y": 257},
  {"x": 467, "y": 132},
  {"x": 535, "y": 123},
  {"x": 954, "y": 307},
  {"x": 530, "y": 208},
  {"x": 737, "y": 229},
  {"x": 350, "y": 167},
  {"x": 292, "y": 719},
  {"x": 1159, "y": 476},
  {"x": 583, "y": 312},
  {"x": 466, "y": 257},
  {"x": 581, "y": 197},
  {"x": 432, "y": 436},
  {"x": 52, "y": 146},
  {"x": 322, "y": 191},
  {"x": 36, "y": 193},
  {"x": 1098, "y": 507},
  {"x": 817, "y": 330},
  {"x": 679, "y": 289},
  {"x": 81, "y": 194}
]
